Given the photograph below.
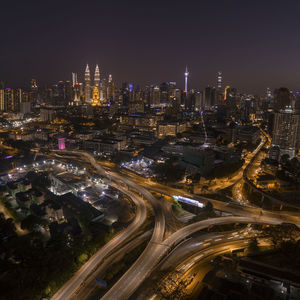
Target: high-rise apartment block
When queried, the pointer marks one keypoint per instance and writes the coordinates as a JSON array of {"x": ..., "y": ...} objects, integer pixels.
[{"x": 286, "y": 131}]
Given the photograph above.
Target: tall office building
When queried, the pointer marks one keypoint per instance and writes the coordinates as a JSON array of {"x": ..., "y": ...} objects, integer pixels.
[
  {"x": 33, "y": 90},
  {"x": 76, "y": 93},
  {"x": 198, "y": 101},
  {"x": 269, "y": 93},
  {"x": 209, "y": 97},
  {"x": 2, "y": 105},
  {"x": 61, "y": 91},
  {"x": 172, "y": 90},
  {"x": 282, "y": 98},
  {"x": 110, "y": 88},
  {"x": 219, "y": 81},
  {"x": 189, "y": 101},
  {"x": 74, "y": 79},
  {"x": 164, "y": 93},
  {"x": 18, "y": 99},
  {"x": 96, "y": 88},
  {"x": 97, "y": 76},
  {"x": 87, "y": 84},
  {"x": 155, "y": 97},
  {"x": 285, "y": 131},
  {"x": 125, "y": 98},
  {"x": 9, "y": 96},
  {"x": 178, "y": 96}
]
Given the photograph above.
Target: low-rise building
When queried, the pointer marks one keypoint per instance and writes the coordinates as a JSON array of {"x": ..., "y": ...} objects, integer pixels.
[
  {"x": 170, "y": 128},
  {"x": 105, "y": 145}
]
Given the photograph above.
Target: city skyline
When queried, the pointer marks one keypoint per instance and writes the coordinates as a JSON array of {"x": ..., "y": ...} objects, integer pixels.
[
  {"x": 150, "y": 150},
  {"x": 143, "y": 44}
]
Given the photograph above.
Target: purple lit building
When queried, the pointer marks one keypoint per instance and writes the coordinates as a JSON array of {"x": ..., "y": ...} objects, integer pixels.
[{"x": 61, "y": 143}]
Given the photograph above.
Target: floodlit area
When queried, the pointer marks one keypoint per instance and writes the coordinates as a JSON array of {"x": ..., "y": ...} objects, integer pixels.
[
  {"x": 76, "y": 178},
  {"x": 139, "y": 166}
]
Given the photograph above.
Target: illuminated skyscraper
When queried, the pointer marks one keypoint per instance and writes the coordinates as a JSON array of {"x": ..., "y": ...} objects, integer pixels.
[
  {"x": 2, "y": 107},
  {"x": 76, "y": 93},
  {"x": 87, "y": 87},
  {"x": 155, "y": 97},
  {"x": 219, "y": 81},
  {"x": 269, "y": 93},
  {"x": 186, "y": 75},
  {"x": 110, "y": 88},
  {"x": 285, "y": 130},
  {"x": 74, "y": 79},
  {"x": 96, "y": 88},
  {"x": 9, "y": 96},
  {"x": 97, "y": 76}
]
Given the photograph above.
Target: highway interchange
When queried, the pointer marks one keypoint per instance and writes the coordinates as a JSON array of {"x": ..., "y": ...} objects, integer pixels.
[{"x": 162, "y": 244}]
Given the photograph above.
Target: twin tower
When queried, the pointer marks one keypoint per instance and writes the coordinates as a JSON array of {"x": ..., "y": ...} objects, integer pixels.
[{"x": 95, "y": 99}]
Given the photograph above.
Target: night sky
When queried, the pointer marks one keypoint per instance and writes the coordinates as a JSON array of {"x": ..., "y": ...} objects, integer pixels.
[{"x": 255, "y": 44}]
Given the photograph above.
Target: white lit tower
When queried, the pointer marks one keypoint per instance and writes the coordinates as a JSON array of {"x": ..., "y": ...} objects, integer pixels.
[
  {"x": 269, "y": 93},
  {"x": 186, "y": 75},
  {"x": 219, "y": 81},
  {"x": 87, "y": 86},
  {"x": 74, "y": 79},
  {"x": 97, "y": 76}
]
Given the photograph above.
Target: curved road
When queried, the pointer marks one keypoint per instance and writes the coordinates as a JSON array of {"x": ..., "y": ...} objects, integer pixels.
[
  {"x": 143, "y": 264},
  {"x": 157, "y": 248},
  {"x": 70, "y": 287},
  {"x": 134, "y": 277}
]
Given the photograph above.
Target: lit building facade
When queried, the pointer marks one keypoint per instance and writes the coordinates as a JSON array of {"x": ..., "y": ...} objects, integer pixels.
[
  {"x": 97, "y": 76},
  {"x": 2, "y": 107},
  {"x": 110, "y": 88},
  {"x": 96, "y": 96},
  {"x": 61, "y": 143},
  {"x": 285, "y": 131},
  {"x": 87, "y": 86},
  {"x": 219, "y": 81}
]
